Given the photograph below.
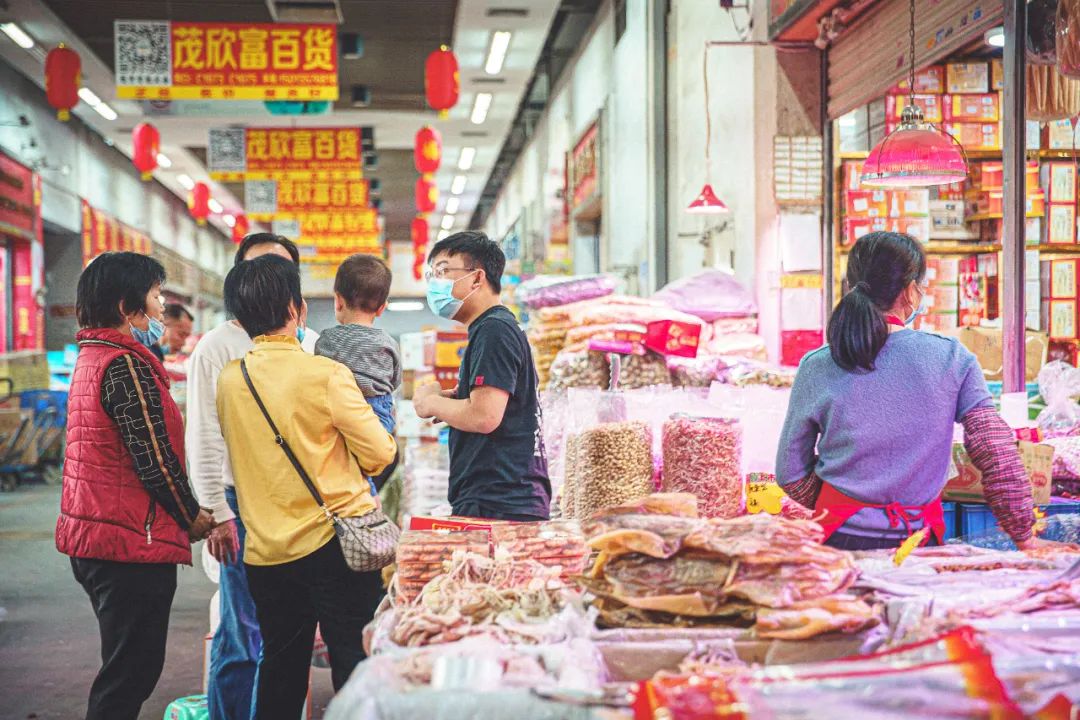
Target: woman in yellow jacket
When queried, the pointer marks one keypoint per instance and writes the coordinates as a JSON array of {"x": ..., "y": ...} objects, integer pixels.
[{"x": 294, "y": 562}]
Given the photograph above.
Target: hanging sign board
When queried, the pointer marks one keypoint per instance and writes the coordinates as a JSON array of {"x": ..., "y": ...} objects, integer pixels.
[
  {"x": 290, "y": 199},
  {"x": 19, "y": 216},
  {"x": 102, "y": 233},
  {"x": 584, "y": 167},
  {"x": 167, "y": 60},
  {"x": 20, "y": 220},
  {"x": 240, "y": 154}
]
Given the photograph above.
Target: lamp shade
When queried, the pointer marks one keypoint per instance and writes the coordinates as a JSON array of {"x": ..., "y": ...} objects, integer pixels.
[
  {"x": 145, "y": 145},
  {"x": 63, "y": 77},
  {"x": 916, "y": 154},
  {"x": 706, "y": 203}
]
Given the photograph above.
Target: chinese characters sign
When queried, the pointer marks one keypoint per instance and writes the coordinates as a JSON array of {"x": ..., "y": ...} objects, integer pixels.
[
  {"x": 238, "y": 154},
  {"x": 20, "y": 224},
  {"x": 103, "y": 233},
  {"x": 293, "y": 199},
  {"x": 165, "y": 60}
]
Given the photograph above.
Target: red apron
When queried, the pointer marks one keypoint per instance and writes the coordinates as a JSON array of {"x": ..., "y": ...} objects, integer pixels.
[{"x": 833, "y": 509}]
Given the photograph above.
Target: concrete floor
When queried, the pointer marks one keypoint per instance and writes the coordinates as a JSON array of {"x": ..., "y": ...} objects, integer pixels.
[{"x": 49, "y": 648}]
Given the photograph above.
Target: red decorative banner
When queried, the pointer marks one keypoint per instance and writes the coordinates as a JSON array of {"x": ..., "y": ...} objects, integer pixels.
[
  {"x": 19, "y": 215},
  {"x": 584, "y": 171},
  {"x": 166, "y": 60},
  {"x": 102, "y": 232},
  {"x": 20, "y": 221},
  {"x": 240, "y": 154}
]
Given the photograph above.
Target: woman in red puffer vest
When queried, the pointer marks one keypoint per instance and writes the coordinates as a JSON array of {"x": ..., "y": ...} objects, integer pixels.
[{"x": 127, "y": 512}]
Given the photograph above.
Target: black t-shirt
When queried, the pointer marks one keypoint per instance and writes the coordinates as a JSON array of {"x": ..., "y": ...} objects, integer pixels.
[{"x": 502, "y": 475}]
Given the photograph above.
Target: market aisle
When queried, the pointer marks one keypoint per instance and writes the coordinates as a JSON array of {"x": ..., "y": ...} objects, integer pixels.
[{"x": 48, "y": 640}]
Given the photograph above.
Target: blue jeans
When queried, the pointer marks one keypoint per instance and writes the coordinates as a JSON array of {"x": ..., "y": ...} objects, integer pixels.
[
  {"x": 234, "y": 655},
  {"x": 383, "y": 405}
]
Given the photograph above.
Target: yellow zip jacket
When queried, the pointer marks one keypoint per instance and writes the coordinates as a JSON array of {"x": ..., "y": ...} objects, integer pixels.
[{"x": 331, "y": 429}]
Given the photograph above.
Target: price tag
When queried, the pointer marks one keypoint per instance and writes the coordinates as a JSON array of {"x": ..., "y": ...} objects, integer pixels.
[
  {"x": 764, "y": 497},
  {"x": 914, "y": 541}
]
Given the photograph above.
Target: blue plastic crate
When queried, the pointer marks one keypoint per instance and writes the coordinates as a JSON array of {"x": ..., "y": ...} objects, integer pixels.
[
  {"x": 949, "y": 509},
  {"x": 977, "y": 519}
]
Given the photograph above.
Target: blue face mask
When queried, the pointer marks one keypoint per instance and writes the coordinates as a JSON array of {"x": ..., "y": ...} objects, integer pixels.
[
  {"x": 440, "y": 296},
  {"x": 301, "y": 332},
  {"x": 151, "y": 335},
  {"x": 921, "y": 310}
]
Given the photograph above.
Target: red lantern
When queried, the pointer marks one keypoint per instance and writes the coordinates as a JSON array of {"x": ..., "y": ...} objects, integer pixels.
[
  {"x": 240, "y": 229},
  {"x": 442, "y": 80},
  {"x": 63, "y": 76},
  {"x": 145, "y": 144},
  {"x": 419, "y": 231},
  {"x": 427, "y": 150},
  {"x": 199, "y": 202},
  {"x": 427, "y": 194}
]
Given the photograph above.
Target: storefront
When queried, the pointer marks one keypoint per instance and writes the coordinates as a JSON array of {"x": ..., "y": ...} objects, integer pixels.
[{"x": 22, "y": 267}]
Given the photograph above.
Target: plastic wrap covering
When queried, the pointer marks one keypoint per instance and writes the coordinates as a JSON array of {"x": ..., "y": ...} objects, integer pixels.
[
  {"x": 557, "y": 544},
  {"x": 709, "y": 295},
  {"x": 703, "y": 456},
  {"x": 642, "y": 371},
  {"x": 1068, "y": 38},
  {"x": 1059, "y": 385},
  {"x": 551, "y": 290},
  {"x": 427, "y": 478},
  {"x": 1066, "y": 458},
  {"x": 422, "y": 556},
  {"x": 701, "y": 371},
  {"x": 555, "y": 409},
  {"x": 613, "y": 464},
  {"x": 579, "y": 369},
  {"x": 751, "y": 347}
]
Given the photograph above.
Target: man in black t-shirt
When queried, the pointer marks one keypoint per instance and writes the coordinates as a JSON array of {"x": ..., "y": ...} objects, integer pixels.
[{"x": 497, "y": 465}]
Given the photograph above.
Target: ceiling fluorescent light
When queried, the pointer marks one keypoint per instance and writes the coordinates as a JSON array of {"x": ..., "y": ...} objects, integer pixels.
[
  {"x": 215, "y": 206},
  {"x": 480, "y": 108},
  {"x": 447, "y": 222},
  {"x": 186, "y": 181},
  {"x": 405, "y": 306},
  {"x": 465, "y": 159},
  {"x": 163, "y": 160},
  {"x": 458, "y": 186},
  {"x": 229, "y": 220},
  {"x": 443, "y": 234},
  {"x": 500, "y": 43},
  {"x": 995, "y": 37},
  {"x": 89, "y": 97},
  {"x": 17, "y": 35},
  {"x": 452, "y": 204},
  {"x": 105, "y": 111}
]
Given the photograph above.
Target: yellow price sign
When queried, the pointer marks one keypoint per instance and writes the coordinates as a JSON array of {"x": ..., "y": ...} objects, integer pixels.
[
  {"x": 805, "y": 281},
  {"x": 764, "y": 497}
]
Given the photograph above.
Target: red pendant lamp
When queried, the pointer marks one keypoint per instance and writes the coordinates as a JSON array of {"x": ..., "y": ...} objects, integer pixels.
[
  {"x": 241, "y": 227},
  {"x": 199, "y": 202},
  {"x": 442, "y": 80},
  {"x": 420, "y": 232},
  {"x": 145, "y": 145},
  {"x": 427, "y": 194},
  {"x": 427, "y": 150},
  {"x": 915, "y": 154},
  {"x": 63, "y": 76},
  {"x": 706, "y": 202}
]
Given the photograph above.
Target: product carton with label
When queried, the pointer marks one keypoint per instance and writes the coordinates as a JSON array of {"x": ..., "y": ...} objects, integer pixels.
[
  {"x": 26, "y": 369},
  {"x": 965, "y": 480},
  {"x": 971, "y": 108},
  {"x": 976, "y": 136},
  {"x": 1059, "y": 179},
  {"x": 967, "y": 78},
  {"x": 1064, "y": 276},
  {"x": 1061, "y": 225},
  {"x": 867, "y": 203},
  {"x": 1063, "y": 320},
  {"x": 928, "y": 81},
  {"x": 930, "y": 105},
  {"x": 452, "y": 522},
  {"x": 986, "y": 344}
]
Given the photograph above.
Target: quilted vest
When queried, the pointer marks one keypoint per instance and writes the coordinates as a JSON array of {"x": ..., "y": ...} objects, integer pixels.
[{"x": 105, "y": 512}]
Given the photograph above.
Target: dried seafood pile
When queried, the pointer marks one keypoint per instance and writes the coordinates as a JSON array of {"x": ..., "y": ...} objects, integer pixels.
[{"x": 661, "y": 565}]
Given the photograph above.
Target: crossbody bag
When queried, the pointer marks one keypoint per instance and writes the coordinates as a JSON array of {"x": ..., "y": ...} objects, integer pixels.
[{"x": 368, "y": 541}]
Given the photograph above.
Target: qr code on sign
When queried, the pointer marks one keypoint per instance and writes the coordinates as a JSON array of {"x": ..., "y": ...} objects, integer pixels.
[
  {"x": 228, "y": 150},
  {"x": 143, "y": 52}
]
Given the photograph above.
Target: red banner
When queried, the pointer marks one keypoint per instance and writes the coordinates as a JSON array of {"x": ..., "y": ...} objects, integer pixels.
[
  {"x": 20, "y": 220},
  {"x": 102, "y": 232},
  {"x": 19, "y": 215},
  {"x": 163, "y": 60}
]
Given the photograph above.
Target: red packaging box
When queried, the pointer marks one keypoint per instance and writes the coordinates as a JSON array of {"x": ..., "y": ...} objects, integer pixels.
[
  {"x": 945, "y": 270},
  {"x": 986, "y": 202},
  {"x": 972, "y": 304},
  {"x": 918, "y": 228},
  {"x": 976, "y": 136},
  {"x": 1064, "y": 279},
  {"x": 853, "y": 174},
  {"x": 909, "y": 203},
  {"x": 929, "y": 104},
  {"x": 987, "y": 175},
  {"x": 795, "y": 344},
  {"x": 971, "y": 108},
  {"x": 928, "y": 81},
  {"x": 453, "y": 522},
  {"x": 672, "y": 337},
  {"x": 866, "y": 203},
  {"x": 855, "y": 228}
]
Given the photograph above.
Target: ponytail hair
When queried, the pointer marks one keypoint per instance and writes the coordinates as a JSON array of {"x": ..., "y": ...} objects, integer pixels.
[{"x": 880, "y": 266}]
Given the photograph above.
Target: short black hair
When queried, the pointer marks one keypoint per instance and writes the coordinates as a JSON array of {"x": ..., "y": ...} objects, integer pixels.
[
  {"x": 261, "y": 293},
  {"x": 363, "y": 282},
  {"x": 175, "y": 311},
  {"x": 263, "y": 238},
  {"x": 112, "y": 280},
  {"x": 481, "y": 251}
]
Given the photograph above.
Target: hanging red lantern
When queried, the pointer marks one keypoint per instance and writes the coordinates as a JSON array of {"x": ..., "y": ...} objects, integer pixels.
[
  {"x": 419, "y": 231},
  {"x": 145, "y": 145},
  {"x": 199, "y": 202},
  {"x": 240, "y": 229},
  {"x": 442, "y": 80},
  {"x": 427, "y": 150},
  {"x": 63, "y": 76},
  {"x": 427, "y": 194}
]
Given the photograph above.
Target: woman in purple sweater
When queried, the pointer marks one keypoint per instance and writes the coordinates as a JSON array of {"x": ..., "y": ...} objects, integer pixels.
[{"x": 869, "y": 431}]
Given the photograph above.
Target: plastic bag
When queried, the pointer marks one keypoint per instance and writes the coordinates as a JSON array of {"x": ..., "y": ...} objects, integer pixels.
[
  {"x": 1066, "y": 458},
  {"x": 709, "y": 295},
  {"x": 579, "y": 369},
  {"x": 1059, "y": 385},
  {"x": 703, "y": 456},
  {"x": 547, "y": 290}
]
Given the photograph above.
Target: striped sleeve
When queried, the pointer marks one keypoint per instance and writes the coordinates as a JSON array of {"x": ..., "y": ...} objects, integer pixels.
[
  {"x": 131, "y": 398},
  {"x": 991, "y": 444},
  {"x": 805, "y": 491}
]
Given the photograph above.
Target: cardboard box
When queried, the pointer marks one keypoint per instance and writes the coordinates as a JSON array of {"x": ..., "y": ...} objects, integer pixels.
[
  {"x": 987, "y": 175},
  {"x": 971, "y": 108},
  {"x": 1060, "y": 135},
  {"x": 976, "y": 136},
  {"x": 918, "y": 228},
  {"x": 453, "y": 522},
  {"x": 1063, "y": 279},
  {"x": 853, "y": 174},
  {"x": 909, "y": 203},
  {"x": 1063, "y": 320},
  {"x": 928, "y": 81},
  {"x": 1035, "y": 203},
  {"x": 965, "y": 480},
  {"x": 930, "y": 105},
  {"x": 27, "y": 370},
  {"x": 1061, "y": 225},
  {"x": 986, "y": 344},
  {"x": 11, "y": 420},
  {"x": 866, "y": 203},
  {"x": 943, "y": 270},
  {"x": 1034, "y": 135},
  {"x": 855, "y": 228},
  {"x": 967, "y": 78},
  {"x": 1059, "y": 179},
  {"x": 986, "y": 202},
  {"x": 997, "y": 75}
]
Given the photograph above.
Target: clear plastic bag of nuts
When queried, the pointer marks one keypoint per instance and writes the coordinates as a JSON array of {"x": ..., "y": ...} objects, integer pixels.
[{"x": 703, "y": 456}]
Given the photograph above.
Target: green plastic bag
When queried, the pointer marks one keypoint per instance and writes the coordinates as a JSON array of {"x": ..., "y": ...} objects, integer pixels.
[{"x": 193, "y": 707}]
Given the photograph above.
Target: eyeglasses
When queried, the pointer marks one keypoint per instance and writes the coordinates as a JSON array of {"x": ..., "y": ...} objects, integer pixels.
[{"x": 440, "y": 272}]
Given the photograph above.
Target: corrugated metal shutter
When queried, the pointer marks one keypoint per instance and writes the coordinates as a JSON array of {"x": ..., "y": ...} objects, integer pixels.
[{"x": 872, "y": 55}]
